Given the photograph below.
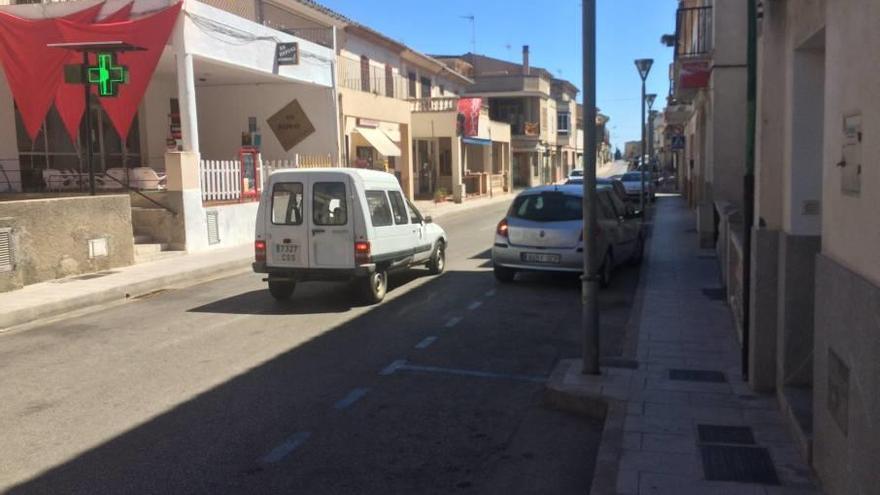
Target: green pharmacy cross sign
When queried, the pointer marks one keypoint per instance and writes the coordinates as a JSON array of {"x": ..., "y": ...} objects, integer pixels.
[{"x": 106, "y": 75}]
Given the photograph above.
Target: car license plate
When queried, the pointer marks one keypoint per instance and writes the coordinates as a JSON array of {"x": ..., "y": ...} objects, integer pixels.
[
  {"x": 286, "y": 252},
  {"x": 540, "y": 258}
]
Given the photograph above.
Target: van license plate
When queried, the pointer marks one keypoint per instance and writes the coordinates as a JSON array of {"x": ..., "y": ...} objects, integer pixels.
[
  {"x": 540, "y": 258},
  {"x": 286, "y": 252}
]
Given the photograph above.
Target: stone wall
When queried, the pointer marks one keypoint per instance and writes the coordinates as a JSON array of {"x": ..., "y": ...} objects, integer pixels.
[{"x": 51, "y": 237}]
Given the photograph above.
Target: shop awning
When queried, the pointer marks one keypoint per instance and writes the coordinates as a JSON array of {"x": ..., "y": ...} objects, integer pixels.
[
  {"x": 477, "y": 141},
  {"x": 377, "y": 139}
]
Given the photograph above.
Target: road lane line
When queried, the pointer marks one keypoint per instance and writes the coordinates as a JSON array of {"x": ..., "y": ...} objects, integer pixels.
[
  {"x": 391, "y": 368},
  {"x": 471, "y": 373},
  {"x": 424, "y": 344},
  {"x": 491, "y": 293},
  {"x": 352, "y": 397},
  {"x": 286, "y": 448},
  {"x": 453, "y": 321},
  {"x": 474, "y": 305}
]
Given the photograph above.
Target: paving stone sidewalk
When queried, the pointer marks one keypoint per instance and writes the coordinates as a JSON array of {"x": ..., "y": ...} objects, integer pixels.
[{"x": 684, "y": 422}]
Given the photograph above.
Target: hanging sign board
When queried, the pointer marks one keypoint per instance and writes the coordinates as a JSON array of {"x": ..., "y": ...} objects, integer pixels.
[
  {"x": 287, "y": 54},
  {"x": 291, "y": 125}
]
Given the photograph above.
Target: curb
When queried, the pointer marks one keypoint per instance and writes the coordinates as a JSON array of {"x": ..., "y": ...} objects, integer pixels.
[{"x": 118, "y": 294}]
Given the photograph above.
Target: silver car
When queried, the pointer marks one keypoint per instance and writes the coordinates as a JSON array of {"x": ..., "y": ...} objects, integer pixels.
[
  {"x": 632, "y": 181},
  {"x": 543, "y": 231}
]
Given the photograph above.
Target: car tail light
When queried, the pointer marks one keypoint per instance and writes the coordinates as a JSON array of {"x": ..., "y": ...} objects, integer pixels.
[
  {"x": 361, "y": 252},
  {"x": 260, "y": 251},
  {"x": 502, "y": 229}
]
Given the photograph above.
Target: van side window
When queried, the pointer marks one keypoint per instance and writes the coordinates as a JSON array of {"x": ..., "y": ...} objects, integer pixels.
[
  {"x": 400, "y": 216},
  {"x": 328, "y": 203},
  {"x": 414, "y": 215},
  {"x": 287, "y": 203},
  {"x": 380, "y": 210},
  {"x": 605, "y": 206}
]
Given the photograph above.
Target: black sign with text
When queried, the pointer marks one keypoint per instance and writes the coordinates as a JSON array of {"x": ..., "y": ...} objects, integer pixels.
[{"x": 287, "y": 54}]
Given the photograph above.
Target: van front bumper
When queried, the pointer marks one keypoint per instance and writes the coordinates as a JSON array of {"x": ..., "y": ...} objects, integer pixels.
[{"x": 314, "y": 274}]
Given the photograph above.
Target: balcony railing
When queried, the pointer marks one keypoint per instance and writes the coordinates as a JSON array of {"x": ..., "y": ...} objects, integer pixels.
[
  {"x": 693, "y": 32},
  {"x": 442, "y": 104},
  {"x": 374, "y": 80}
]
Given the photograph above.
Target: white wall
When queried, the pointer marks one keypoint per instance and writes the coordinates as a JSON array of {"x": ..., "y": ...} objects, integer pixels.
[
  {"x": 154, "y": 119},
  {"x": 8, "y": 141},
  {"x": 224, "y": 110},
  {"x": 258, "y": 54}
]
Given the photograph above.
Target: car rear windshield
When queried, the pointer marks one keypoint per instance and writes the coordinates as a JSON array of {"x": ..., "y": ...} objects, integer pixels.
[
  {"x": 632, "y": 176},
  {"x": 548, "y": 206}
]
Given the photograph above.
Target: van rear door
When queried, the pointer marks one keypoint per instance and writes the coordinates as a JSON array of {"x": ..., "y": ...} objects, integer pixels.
[
  {"x": 331, "y": 222},
  {"x": 286, "y": 224}
]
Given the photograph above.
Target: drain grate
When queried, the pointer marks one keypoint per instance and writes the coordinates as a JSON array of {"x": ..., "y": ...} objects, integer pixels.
[
  {"x": 697, "y": 376},
  {"x": 742, "y": 464},
  {"x": 726, "y": 434},
  {"x": 715, "y": 293}
]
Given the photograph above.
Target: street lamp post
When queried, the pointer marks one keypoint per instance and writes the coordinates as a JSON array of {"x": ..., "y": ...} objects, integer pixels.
[
  {"x": 590, "y": 279},
  {"x": 649, "y": 100},
  {"x": 644, "y": 67}
]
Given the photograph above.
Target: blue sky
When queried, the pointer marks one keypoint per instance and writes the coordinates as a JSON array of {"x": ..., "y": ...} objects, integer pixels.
[{"x": 627, "y": 29}]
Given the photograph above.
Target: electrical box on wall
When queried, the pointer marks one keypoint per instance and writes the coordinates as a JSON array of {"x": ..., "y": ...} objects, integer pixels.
[{"x": 851, "y": 165}]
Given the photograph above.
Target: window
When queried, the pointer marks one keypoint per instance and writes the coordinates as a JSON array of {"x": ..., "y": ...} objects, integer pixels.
[
  {"x": 606, "y": 207},
  {"x": 287, "y": 203},
  {"x": 414, "y": 215},
  {"x": 563, "y": 122},
  {"x": 365, "y": 73},
  {"x": 548, "y": 207},
  {"x": 412, "y": 85},
  {"x": 619, "y": 205},
  {"x": 328, "y": 203},
  {"x": 426, "y": 87},
  {"x": 389, "y": 81},
  {"x": 399, "y": 208},
  {"x": 380, "y": 211}
]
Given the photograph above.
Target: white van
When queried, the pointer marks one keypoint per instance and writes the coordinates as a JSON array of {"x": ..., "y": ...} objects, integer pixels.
[{"x": 341, "y": 224}]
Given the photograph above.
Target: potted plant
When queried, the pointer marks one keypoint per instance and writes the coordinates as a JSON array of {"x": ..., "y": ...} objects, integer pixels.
[{"x": 440, "y": 195}]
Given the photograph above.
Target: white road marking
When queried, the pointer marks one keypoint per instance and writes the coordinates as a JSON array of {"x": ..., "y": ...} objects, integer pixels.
[
  {"x": 403, "y": 366},
  {"x": 352, "y": 397},
  {"x": 286, "y": 448},
  {"x": 490, "y": 293},
  {"x": 424, "y": 344},
  {"x": 391, "y": 368},
  {"x": 474, "y": 305},
  {"x": 453, "y": 321}
]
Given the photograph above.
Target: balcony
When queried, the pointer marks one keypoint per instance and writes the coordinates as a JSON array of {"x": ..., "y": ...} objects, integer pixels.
[
  {"x": 442, "y": 104},
  {"x": 693, "y": 32},
  {"x": 371, "y": 80}
]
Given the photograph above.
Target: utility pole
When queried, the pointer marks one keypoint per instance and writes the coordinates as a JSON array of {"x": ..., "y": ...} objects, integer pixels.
[
  {"x": 749, "y": 178},
  {"x": 590, "y": 279}
]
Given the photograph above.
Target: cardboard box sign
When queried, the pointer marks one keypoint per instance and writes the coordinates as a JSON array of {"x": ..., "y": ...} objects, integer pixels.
[{"x": 291, "y": 125}]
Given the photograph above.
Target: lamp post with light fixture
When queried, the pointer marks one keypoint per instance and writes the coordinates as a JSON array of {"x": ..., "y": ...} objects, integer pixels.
[
  {"x": 649, "y": 100},
  {"x": 644, "y": 67}
]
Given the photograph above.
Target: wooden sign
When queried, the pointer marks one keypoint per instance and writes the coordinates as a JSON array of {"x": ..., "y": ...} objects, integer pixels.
[{"x": 291, "y": 125}]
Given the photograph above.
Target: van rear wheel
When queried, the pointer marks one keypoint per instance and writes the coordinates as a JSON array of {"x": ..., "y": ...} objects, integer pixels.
[
  {"x": 438, "y": 259},
  {"x": 374, "y": 286},
  {"x": 281, "y": 291}
]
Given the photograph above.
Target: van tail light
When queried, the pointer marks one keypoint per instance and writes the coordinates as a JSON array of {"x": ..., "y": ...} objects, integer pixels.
[
  {"x": 361, "y": 252},
  {"x": 502, "y": 228},
  {"x": 260, "y": 251}
]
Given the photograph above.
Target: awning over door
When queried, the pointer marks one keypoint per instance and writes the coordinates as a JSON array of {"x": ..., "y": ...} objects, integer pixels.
[{"x": 377, "y": 139}]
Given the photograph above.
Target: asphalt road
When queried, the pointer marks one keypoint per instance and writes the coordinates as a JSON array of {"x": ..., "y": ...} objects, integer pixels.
[{"x": 216, "y": 388}]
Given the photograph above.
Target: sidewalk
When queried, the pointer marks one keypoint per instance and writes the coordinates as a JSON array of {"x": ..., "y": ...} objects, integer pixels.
[
  {"x": 57, "y": 297},
  {"x": 683, "y": 422}
]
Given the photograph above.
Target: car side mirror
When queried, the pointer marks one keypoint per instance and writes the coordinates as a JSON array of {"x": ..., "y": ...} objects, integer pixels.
[{"x": 428, "y": 219}]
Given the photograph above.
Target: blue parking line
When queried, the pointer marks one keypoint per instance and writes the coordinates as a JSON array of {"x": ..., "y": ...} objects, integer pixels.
[
  {"x": 286, "y": 448},
  {"x": 352, "y": 397},
  {"x": 424, "y": 344}
]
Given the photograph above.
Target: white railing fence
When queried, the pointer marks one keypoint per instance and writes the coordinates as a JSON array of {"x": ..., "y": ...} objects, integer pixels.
[{"x": 221, "y": 180}]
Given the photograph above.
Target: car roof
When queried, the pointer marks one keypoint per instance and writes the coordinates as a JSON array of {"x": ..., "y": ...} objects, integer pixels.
[
  {"x": 366, "y": 175},
  {"x": 572, "y": 189}
]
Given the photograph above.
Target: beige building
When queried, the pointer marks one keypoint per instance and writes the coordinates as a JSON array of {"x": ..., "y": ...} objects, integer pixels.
[{"x": 523, "y": 96}]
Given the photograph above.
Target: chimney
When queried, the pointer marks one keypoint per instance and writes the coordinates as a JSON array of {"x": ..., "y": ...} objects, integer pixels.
[{"x": 525, "y": 64}]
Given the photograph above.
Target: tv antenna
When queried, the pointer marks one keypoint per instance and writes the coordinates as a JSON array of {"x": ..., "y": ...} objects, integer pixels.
[{"x": 473, "y": 20}]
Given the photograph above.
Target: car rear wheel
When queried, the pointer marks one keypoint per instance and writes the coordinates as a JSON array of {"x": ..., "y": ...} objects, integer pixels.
[
  {"x": 438, "y": 260},
  {"x": 606, "y": 271},
  {"x": 504, "y": 275},
  {"x": 374, "y": 287},
  {"x": 281, "y": 291}
]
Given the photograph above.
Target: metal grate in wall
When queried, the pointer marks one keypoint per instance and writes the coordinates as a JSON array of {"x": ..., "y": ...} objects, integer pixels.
[
  {"x": 213, "y": 228},
  {"x": 5, "y": 250}
]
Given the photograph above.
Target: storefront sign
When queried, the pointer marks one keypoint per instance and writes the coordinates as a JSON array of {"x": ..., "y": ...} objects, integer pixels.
[
  {"x": 287, "y": 54},
  {"x": 107, "y": 75},
  {"x": 370, "y": 123},
  {"x": 291, "y": 125},
  {"x": 694, "y": 75}
]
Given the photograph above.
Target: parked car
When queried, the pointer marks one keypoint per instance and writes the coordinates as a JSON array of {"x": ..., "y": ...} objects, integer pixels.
[
  {"x": 543, "y": 231},
  {"x": 340, "y": 224},
  {"x": 577, "y": 173},
  {"x": 632, "y": 181},
  {"x": 615, "y": 185}
]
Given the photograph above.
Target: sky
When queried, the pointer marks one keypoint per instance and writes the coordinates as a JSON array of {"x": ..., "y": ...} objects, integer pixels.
[{"x": 626, "y": 30}]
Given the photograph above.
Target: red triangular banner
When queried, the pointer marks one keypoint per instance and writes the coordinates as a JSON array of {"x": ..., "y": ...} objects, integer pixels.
[
  {"x": 33, "y": 69},
  {"x": 150, "y": 33},
  {"x": 69, "y": 100}
]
